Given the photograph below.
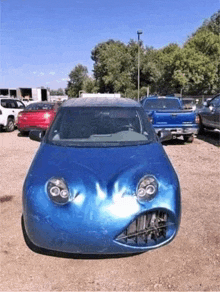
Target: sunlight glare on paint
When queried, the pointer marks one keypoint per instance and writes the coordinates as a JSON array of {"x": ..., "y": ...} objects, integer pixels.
[{"x": 100, "y": 193}]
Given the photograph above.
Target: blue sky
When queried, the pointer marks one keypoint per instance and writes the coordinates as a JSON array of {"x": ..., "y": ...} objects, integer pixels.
[{"x": 43, "y": 40}]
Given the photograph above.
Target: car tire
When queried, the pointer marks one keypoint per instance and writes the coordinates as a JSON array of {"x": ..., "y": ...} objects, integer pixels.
[
  {"x": 201, "y": 127},
  {"x": 188, "y": 139},
  {"x": 10, "y": 125}
]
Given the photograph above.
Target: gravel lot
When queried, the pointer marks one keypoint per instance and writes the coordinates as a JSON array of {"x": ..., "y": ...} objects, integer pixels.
[{"x": 190, "y": 262}]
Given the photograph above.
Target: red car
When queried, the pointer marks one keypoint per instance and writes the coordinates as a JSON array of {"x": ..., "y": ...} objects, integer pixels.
[{"x": 38, "y": 115}]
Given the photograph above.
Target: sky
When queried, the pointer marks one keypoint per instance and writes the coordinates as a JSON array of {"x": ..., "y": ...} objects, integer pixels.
[{"x": 41, "y": 41}]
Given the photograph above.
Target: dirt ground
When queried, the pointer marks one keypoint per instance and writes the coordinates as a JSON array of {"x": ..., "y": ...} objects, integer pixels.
[{"x": 189, "y": 263}]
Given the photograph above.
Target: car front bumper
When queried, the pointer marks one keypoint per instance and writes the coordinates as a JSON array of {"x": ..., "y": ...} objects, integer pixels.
[{"x": 101, "y": 227}]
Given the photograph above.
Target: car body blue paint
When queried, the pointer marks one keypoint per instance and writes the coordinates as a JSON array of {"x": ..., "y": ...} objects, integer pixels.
[
  {"x": 178, "y": 121},
  {"x": 102, "y": 183}
]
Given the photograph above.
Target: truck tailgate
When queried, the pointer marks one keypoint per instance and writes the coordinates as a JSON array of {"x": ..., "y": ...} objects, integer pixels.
[{"x": 174, "y": 118}]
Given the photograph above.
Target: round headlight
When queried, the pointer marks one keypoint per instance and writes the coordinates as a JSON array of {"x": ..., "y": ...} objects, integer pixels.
[
  {"x": 58, "y": 191},
  {"x": 147, "y": 188}
]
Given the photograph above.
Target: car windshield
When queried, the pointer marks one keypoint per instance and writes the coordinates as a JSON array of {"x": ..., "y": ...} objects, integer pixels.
[
  {"x": 162, "y": 104},
  {"x": 39, "y": 106},
  {"x": 188, "y": 101},
  {"x": 100, "y": 126}
]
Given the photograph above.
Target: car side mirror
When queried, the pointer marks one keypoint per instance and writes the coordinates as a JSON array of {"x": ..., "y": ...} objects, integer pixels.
[
  {"x": 211, "y": 107},
  {"x": 165, "y": 135},
  {"x": 36, "y": 135}
]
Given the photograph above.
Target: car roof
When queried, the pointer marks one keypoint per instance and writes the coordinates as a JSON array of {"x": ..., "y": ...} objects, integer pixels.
[
  {"x": 8, "y": 98},
  {"x": 101, "y": 102},
  {"x": 162, "y": 97}
]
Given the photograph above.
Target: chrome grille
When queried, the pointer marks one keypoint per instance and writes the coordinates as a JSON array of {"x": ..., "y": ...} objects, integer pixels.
[{"x": 148, "y": 229}]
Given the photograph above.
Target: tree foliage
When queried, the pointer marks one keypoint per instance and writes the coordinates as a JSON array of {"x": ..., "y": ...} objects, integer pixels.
[
  {"x": 78, "y": 77},
  {"x": 57, "y": 92},
  {"x": 192, "y": 69}
]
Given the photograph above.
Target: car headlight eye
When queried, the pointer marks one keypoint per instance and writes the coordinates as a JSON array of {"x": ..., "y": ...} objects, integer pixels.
[
  {"x": 147, "y": 188},
  {"x": 64, "y": 194},
  {"x": 58, "y": 191},
  {"x": 54, "y": 191}
]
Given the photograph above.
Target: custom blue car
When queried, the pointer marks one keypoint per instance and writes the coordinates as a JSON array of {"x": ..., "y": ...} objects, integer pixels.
[
  {"x": 101, "y": 182},
  {"x": 168, "y": 113}
]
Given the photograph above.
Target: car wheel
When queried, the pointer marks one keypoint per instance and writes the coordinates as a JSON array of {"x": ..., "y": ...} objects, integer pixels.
[
  {"x": 188, "y": 139},
  {"x": 201, "y": 127},
  {"x": 10, "y": 125}
]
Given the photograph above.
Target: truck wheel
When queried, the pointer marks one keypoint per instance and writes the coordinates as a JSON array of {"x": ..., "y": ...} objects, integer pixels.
[
  {"x": 10, "y": 125},
  {"x": 188, "y": 139}
]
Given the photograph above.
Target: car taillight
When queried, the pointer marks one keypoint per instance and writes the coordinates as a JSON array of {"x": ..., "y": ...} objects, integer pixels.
[
  {"x": 18, "y": 116},
  {"x": 47, "y": 116},
  {"x": 197, "y": 120}
]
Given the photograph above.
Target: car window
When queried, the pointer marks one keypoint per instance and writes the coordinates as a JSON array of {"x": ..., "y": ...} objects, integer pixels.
[
  {"x": 101, "y": 126},
  {"x": 215, "y": 102},
  {"x": 20, "y": 104},
  {"x": 162, "y": 104},
  {"x": 13, "y": 104},
  {"x": 5, "y": 103},
  {"x": 40, "y": 106}
]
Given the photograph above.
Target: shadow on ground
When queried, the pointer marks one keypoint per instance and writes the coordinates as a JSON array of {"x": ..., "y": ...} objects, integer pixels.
[
  {"x": 209, "y": 136},
  {"x": 177, "y": 141}
]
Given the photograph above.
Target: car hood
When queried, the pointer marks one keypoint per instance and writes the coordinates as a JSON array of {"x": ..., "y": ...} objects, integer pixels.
[{"x": 94, "y": 169}]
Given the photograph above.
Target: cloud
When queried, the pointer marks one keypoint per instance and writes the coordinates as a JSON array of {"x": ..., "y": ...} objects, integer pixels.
[
  {"x": 41, "y": 74},
  {"x": 52, "y": 73}
]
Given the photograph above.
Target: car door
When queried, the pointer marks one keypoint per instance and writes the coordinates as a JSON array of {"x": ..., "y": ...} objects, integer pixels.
[
  {"x": 216, "y": 113},
  {"x": 13, "y": 107},
  {"x": 214, "y": 107},
  {"x": 9, "y": 107},
  {"x": 210, "y": 113}
]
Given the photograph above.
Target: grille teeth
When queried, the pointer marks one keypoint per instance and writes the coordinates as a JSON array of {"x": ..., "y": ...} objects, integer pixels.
[{"x": 149, "y": 228}]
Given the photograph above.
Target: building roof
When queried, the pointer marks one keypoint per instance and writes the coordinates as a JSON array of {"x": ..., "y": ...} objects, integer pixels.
[{"x": 100, "y": 102}]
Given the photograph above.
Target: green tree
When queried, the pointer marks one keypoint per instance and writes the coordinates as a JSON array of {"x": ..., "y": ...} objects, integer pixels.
[
  {"x": 112, "y": 67},
  {"x": 202, "y": 49},
  {"x": 77, "y": 78}
]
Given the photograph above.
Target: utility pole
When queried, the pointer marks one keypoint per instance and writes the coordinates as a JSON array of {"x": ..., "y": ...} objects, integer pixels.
[{"x": 139, "y": 32}]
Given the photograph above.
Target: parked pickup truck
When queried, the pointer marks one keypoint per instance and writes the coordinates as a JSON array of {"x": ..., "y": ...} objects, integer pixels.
[{"x": 167, "y": 113}]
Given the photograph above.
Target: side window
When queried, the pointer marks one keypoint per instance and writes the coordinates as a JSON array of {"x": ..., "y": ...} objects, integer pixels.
[
  {"x": 5, "y": 103},
  {"x": 215, "y": 101},
  {"x": 13, "y": 104},
  {"x": 20, "y": 104},
  {"x": 218, "y": 103}
]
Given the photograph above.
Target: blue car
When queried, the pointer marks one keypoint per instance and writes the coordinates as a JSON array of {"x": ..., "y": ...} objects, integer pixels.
[{"x": 101, "y": 182}]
